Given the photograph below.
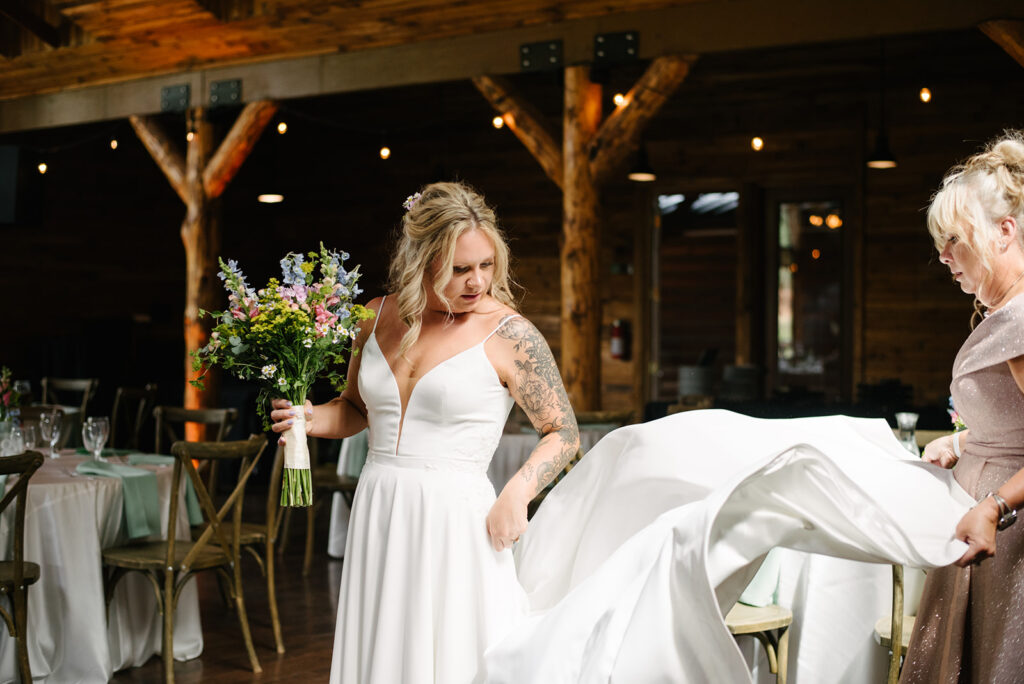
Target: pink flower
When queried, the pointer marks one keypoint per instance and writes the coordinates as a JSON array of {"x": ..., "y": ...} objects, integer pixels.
[
  {"x": 6, "y": 398},
  {"x": 333, "y": 300},
  {"x": 323, "y": 316},
  {"x": 238, "y": 314}
]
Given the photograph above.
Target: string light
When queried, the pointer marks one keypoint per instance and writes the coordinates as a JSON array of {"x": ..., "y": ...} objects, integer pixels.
[
  {"x": 190, "y": 135},
  {"x": 833, "y": 221},
  {"x": 925, "y": 95},
  {"x": 385, "y": 152},
  {"x": 619, "y": 99},
  {"x": 113, "y": 143},
  {"x": 815, "y": 220},
  {"x": 756, "y": 144},
  {"x": 42, "y": 167},
  {"x": 793, "y": 268},
  {"x": 815, "y": 253},
  {"x": 497, "y": 122},
  {"x": 270, "y": 198},
  {"x": 282, "y": 128}
]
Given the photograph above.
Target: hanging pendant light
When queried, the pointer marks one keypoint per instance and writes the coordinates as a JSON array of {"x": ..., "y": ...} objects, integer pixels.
[
  {"x": 642, "y": 171},
  {"x": 881, "y": 157}
]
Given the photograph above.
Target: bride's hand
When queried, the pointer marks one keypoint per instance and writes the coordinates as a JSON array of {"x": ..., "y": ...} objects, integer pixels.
[
  {"x": 283, "y": 414},
  {"x": 506, "y": 519},
  {"x": 940, "y": 452}
]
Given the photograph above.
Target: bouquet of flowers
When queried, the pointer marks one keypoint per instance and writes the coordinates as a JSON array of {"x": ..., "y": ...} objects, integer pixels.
[
  {"x": 286, "y": 336},
  {"x": 9, "y": 398}
]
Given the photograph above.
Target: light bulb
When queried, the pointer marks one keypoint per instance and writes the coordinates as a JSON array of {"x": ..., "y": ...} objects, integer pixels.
[
  {"x": 385, "y": 152},
  {"x": 925, "y": 95},
  {"x": 113, "y": 143},
  {"x": 282, "y": 128},
  {"x": 497, "y": 122},
  {"x": 619, "y": 99},
  {"x": 189, "y": 136},
  {"x": 42, "y": 167},
  {"x": 756, "y": 144}
]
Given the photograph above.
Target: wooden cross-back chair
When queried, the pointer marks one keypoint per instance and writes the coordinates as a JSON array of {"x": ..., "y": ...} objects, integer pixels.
[
  {"x": 132, "y": 406},
  {"x": 168, "y": 564},
  {"x": 259, "y": 539},
  {"x": 220, "y": 419},
  {"x": 16, "y": 575},
  {"x": 895, "y": 623},
  {"x": 56, "y": 391}
]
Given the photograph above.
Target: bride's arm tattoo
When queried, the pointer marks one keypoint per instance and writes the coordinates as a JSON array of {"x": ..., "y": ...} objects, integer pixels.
[{"x": 537, "y": 387}]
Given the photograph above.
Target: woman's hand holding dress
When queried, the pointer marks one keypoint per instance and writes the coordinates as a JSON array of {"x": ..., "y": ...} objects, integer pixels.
[
  {"x": 507, "y": 517},
  {"x": 978, "y": 529},
  {"x": 940, "y": 452}
]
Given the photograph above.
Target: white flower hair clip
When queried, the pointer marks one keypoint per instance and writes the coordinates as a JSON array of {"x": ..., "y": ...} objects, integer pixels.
[{"x": 411, "y": 201}]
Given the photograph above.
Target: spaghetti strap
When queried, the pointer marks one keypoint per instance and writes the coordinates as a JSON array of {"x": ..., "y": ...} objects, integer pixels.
[
  {"x": 376, "y": 318},
  {"x": 504, "y": 320}
]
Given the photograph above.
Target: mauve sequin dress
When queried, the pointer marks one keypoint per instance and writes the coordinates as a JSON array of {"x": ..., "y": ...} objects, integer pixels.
[{"x": 970, "y": 626}]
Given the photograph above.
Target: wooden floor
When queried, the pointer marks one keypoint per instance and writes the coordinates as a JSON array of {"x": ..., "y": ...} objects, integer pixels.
[{"x": 308, "y": 608}]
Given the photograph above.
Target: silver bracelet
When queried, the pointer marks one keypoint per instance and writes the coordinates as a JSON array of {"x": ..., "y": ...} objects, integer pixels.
[{"x": 1007, "y": 515}]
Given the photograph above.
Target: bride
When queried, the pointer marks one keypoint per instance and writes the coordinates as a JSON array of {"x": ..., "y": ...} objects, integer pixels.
[{"x": 428, "y": 580}]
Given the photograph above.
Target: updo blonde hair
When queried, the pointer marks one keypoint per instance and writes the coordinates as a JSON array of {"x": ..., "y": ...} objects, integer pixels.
[
  {"x": 430, "y": 228},
  {"x": 977, "y": 195}
]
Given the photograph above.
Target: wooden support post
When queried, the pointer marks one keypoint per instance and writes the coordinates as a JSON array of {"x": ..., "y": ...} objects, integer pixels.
[
  {"x": 199, "y": 180},
  {"x": 590, "y": 155},
  {"x": 581, "y": 304},
  {"x": 1007, "y": 34}
]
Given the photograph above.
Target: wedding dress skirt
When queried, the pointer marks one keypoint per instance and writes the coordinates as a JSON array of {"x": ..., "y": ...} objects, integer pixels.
[{"x": 634, "y": 558}]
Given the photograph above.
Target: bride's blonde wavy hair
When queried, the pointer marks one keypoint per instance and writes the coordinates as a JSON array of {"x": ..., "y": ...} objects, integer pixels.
[
  {"x": 435, "y": 220},
  {"x": 977, "y": 195}
]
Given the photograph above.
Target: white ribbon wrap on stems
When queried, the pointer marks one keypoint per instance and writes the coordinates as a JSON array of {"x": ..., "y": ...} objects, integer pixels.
[
  {"x": 296, "y": 480},
  {"x": 296, "y": 446}
]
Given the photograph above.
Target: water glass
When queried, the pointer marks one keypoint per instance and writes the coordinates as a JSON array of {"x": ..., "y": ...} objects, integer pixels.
[
  {"x": 907, "y": 424},
  {"x": 94, "y": 435},
  {"x": 30, "y": 435},
  {"x": 51, "y": 427},
  {"x": 13, "y": 443}
]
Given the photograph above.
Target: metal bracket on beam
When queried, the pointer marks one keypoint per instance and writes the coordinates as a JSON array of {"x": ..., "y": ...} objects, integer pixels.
[
  {"x": 541, "y": 56},
  {"x": 616, "y": 48},
  {"x": 224, "y": 93},
  {"x": 175, "y": 98}
]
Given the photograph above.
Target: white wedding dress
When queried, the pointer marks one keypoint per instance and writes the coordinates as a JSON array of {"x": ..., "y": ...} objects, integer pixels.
[
  {"x": 625, "y": 572},
  {"x": 635, "y": 556},
  {"x": 422, "y": 591}
]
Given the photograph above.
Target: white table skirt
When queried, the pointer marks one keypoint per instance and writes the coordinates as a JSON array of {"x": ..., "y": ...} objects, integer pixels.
[{"x": 68, "y": 521}]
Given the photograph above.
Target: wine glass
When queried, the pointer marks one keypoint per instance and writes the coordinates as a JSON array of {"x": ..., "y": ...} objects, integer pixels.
[
  {"x": 30, "y": 435},
  {"x": 51, "y": 426},
  {"x": 94, "y": 435}
]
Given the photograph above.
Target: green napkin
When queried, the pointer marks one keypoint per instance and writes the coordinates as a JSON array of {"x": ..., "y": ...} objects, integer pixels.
[
  {"x": 195, "y": 514},
  {"x": 141, "y": 497},
  {"x": 763, "y": 589},
  {"x": 105, "y": 452}
]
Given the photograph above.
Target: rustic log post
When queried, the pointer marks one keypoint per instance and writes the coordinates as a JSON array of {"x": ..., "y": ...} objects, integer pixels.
[
  {"x": 199, "y": 180},
  {"x": 589, "y": 157},
  {"x": 1007, "y": 34},
  {"x": 581, "y": 304}
]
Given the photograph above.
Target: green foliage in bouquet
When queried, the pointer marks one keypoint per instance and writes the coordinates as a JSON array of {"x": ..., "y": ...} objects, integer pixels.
[{"x": 286, "y": 336}]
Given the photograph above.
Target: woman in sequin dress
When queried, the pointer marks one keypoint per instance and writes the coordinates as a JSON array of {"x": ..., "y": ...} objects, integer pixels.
[{"x": 970, "y": 627}]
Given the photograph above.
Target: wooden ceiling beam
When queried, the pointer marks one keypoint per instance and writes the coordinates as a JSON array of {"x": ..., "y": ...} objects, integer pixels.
[
  {"x": 1007, "y": 34},
  {"x": 619, "y": 134},
  {"x": 24, "y": 17},
  {"x": 231, "y": 10},
  {"x": 526, "y": 122},
  {"x": 237, "y": 144}
]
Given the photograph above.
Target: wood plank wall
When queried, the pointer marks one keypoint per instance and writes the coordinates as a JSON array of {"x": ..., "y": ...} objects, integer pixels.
[{"x": 96, "y": 287}]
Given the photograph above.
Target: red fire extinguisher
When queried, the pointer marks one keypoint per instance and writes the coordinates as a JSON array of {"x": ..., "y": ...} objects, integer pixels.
[{"x": 619, "y": 348}]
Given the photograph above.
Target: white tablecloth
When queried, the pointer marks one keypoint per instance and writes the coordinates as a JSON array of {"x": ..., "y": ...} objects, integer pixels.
[{"x": 69, "y": 520}]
